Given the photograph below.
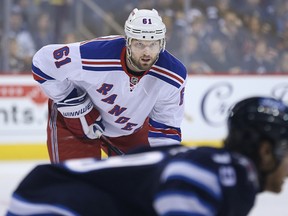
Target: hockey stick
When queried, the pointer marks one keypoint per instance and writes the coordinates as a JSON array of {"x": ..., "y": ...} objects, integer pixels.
[{"x": 108, "y": 143}]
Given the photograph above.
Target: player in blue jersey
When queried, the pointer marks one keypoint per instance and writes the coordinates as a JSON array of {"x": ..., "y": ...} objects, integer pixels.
[
  {"x": 129, "y": 89},
  {"x": 170, "y": 180}
]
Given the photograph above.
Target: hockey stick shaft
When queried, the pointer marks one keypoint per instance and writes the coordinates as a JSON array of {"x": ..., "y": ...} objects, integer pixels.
[
  {"x": 113, "y": 148},
  {"x": 109, "y": 144}
]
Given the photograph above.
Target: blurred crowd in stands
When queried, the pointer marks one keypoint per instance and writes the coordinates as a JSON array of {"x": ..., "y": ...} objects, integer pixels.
[{"x": 209, "y": 36}]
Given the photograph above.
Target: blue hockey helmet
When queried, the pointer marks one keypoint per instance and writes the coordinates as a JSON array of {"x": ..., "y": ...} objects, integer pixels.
[{"x": 258, "y": 118}]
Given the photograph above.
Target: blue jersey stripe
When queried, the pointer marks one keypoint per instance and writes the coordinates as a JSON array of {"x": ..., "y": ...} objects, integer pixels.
[
  {"x": 195, "y": 175},
  {"x": 198, "y": 205},
  {"x": 166, "y": 79},
  {"x": 102, "y": 68},
  {"x": 161, "y": 125},
  {"x": 39, "y": 208},
  {"x": 41, "y": 76},
  {"x": 159, "y": 134},
  {"x": 174, "y": 65}
]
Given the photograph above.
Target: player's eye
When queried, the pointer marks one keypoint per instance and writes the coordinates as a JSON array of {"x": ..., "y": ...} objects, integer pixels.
[
  {"x": 153, "y": 45},
  {"x": 139, "y": 45}
]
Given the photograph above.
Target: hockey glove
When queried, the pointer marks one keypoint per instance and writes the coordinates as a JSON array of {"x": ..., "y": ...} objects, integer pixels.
[{"x": 80, "y": 116}]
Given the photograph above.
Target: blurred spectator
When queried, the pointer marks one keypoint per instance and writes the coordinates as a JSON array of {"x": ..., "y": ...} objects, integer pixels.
[
  {"x": 219, "y": 59},
  {"x": 42, "y": 33},
  {"x": 69, "y": 37},
  {"x": 216, "y": 11},
  {"x": 19, "y": 32},
  {"x": 249, "y": 8},
  {"x": 194, "y": 56},
  {"x": 201, "y": 30},
  {"x": 253, "y": 33},
  {"x": 174, "y": 34},
  {"x": 223, "y": 6},
  {"x": 164, "y": 6},
  {"x": 29, "y": 11},
  {"x": 62, "y": 18},
  {"x": 282, "y": 42},
  {"x": 144, "y": 4},
  {"x": 261, "y": 61},
  {"x": 281, "y": 15},
  {"x": 230, "y": 29},
  {"x": 255, "y": 30},
  {"x": 282, "y": 65},
  {"x": 16, "y": 63}
]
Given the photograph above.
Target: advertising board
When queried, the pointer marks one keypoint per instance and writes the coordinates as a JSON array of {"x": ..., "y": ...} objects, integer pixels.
[{"x": 208, "y": 98}]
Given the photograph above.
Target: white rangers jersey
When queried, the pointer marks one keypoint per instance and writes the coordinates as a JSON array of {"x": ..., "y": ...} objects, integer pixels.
[{"x": 98, "y": 67}]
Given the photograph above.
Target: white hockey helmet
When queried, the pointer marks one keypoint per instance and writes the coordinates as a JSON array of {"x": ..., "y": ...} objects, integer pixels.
[{"x": 145, "y": 24}]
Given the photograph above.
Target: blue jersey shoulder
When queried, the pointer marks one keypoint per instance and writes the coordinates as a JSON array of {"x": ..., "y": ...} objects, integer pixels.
[
  {"x": 171, "y": 63},
  {"x": 103, "y": 48},
  {"x": 169, "y": 69}
]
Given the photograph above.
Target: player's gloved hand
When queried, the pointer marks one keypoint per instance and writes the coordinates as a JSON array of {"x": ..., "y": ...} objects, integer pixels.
[
  {"x": 80, "y": 115},
  {"x": 97, "y": 128}
]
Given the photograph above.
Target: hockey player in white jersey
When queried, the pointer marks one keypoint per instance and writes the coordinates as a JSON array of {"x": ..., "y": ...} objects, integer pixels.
[{"x": 128, "y": 88}]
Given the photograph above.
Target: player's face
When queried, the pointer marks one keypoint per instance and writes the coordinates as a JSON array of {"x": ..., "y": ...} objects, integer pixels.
[
  {"x": 276, "y": 179},
  {"x": 144, "y": 53}
]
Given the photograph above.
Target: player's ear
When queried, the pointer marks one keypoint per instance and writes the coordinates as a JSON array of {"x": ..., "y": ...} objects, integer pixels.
[{"x": 267, "y": 160}]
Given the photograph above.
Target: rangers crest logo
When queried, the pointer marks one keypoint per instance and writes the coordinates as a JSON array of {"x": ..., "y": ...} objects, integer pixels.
[{"x": 134, "y": 80}]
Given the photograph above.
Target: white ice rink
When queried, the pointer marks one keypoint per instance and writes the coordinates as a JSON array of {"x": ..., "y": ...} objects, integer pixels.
[{"x": 11, "y": 172}]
